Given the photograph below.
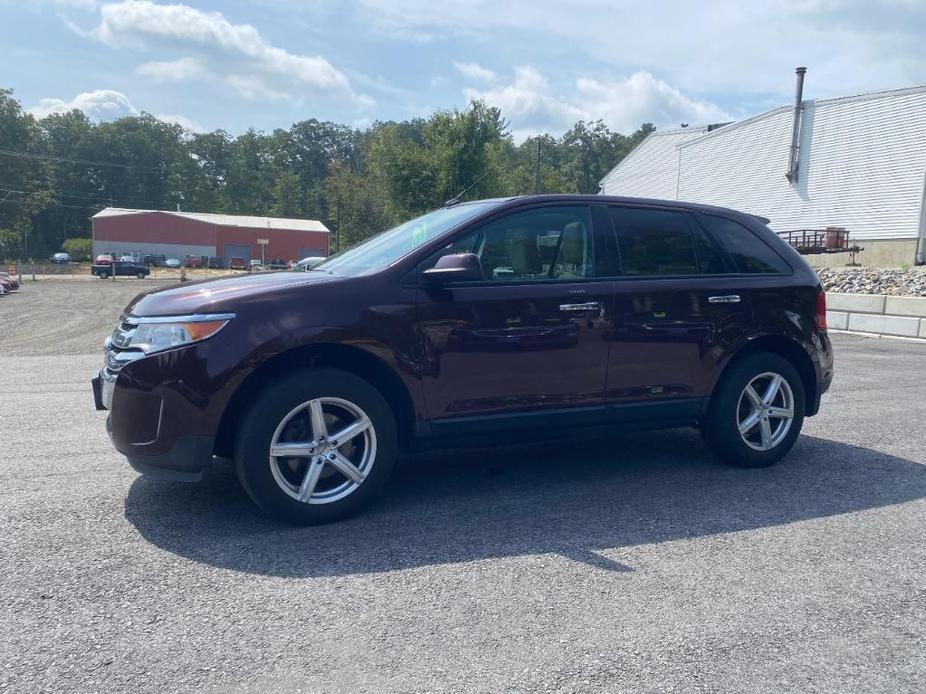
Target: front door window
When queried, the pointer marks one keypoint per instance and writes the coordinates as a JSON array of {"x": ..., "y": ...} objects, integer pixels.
[{"x": 546, "y": 244}]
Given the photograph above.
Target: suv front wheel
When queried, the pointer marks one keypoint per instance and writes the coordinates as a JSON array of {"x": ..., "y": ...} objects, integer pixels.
[
  {"x": 316, "y": 446},
  {"x": 756, "y": 412}
]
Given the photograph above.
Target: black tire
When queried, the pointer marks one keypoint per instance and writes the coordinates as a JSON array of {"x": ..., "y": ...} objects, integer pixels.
[
  {"x": 720, "y": 428},
  {"x": 271, "y": 407},
  {"x": 141, "y": 275},
  {"x": 104, "y": 275}
]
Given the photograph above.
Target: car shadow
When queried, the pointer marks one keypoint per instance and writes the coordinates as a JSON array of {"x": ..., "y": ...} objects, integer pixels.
[{"x": 566, "y": 498}]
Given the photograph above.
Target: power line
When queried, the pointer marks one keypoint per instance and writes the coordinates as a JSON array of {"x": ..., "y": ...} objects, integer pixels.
[
  {"x": 51, "y": 203},
  {"x": 67, "y": 160},
  {"x": 59, "y": 204},
  {"x": 72, "y": 193},
  {"x": 90, "y": 197}
]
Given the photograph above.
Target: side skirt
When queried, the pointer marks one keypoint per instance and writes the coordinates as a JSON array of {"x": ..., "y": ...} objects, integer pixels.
[{"x": 558, "y": 424}]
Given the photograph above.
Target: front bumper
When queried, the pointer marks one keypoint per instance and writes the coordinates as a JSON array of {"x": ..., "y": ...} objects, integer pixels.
[
  {"x": 103, "y": 384},
  {"x": 153, "y": 429},
  {"x": 188, "y": 461}
]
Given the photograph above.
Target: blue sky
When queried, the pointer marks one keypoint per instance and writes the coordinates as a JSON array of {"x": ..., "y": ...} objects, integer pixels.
[{"x": 546, "y": 63}]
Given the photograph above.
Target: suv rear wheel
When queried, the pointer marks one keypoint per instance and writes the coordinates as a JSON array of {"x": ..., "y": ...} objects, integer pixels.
[
  {"x": 316, "y": 446},
  {"x": 756, "y": 412}
]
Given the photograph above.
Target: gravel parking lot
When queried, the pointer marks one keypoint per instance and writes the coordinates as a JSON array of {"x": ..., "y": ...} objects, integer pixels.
[{"x": 626, "y": 564}]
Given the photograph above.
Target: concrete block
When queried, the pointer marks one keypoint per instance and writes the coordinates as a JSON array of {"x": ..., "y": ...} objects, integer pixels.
[
  {"x": 884, "y": 325},
  {"x": 922, "y": 327},
  {"x": 837, "y": 320},
  {"x": 857, "y": 303},
  {"x": 905, "y": 306}
]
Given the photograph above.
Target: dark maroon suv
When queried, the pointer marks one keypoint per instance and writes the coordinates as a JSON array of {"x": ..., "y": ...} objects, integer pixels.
[{"x": 537, "y": 316}]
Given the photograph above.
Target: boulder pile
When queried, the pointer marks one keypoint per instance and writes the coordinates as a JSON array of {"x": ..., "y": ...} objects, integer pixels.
[{"x": 870, "y": 280}]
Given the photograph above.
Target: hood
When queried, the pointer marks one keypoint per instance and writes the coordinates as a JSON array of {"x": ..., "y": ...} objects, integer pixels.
[{"x": 218, "y": 295}]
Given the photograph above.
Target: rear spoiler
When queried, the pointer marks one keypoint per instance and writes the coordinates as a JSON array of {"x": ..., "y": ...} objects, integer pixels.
[{"x": 764, "y": 220}]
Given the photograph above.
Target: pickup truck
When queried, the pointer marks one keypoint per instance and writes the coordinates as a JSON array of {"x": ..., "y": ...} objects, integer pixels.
[{"x": 120, "y": 268}]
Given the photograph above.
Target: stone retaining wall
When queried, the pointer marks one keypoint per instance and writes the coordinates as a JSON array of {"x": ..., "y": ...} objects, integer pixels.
[
  {"x": 880, "y": 253},
  {"x": 900, "y": 316}
]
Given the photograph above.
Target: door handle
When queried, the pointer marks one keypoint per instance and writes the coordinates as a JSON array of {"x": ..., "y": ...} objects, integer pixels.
[
  {"x": 724, "y": 299},
  {"x": 590, "y": 306}
]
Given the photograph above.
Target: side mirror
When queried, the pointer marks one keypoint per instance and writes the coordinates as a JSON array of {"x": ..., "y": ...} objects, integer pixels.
[{"x": 459, "y": 267}]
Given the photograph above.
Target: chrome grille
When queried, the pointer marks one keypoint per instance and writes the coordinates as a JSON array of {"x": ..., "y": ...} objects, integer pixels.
[
  {"x": 123, "y": 332},
  {"x": 115, "y": 356}
]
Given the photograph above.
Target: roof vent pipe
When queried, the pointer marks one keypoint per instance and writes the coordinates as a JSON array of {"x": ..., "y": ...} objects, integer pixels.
[{"x": 793, "y": 163}]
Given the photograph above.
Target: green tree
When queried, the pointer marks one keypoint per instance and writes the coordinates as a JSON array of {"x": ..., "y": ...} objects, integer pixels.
[
  {"x": 287, "y": 195},
  {"x": 79, "y": 249},
  {"x": 57, "y": 172},
  {"x": 24, "y": 182}
]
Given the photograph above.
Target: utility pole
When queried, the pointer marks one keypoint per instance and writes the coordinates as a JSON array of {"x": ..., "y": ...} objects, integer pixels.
[
  {"x": 337, "y": 224},
  {"x": 537, "y": 180}
]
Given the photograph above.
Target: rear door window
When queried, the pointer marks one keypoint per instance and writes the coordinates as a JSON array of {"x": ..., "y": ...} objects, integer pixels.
[
  {"x": 749, "y": 253},
  {"x": 654, "y": 242}
]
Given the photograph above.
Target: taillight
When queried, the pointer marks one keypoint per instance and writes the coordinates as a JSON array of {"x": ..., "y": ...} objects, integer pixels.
[{"x": 821, "y": 311}]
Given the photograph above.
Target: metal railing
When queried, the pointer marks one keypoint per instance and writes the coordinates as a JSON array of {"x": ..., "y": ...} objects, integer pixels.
[{"x": 812, "y": 241}]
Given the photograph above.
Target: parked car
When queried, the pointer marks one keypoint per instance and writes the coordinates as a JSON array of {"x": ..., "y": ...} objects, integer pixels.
[
  {"x": 192, "y": 261},
  {"x": 172, "y": 262},
  {"x": 120, "y": 268},
  {"x": 216, "y": 263},
  {"x": 279, "y": 264},
  {"x": 12, "y": 283},
  {"x": 154, "y": 260},
  {"x": 237, "y": 264},
  {"x": 9, "y": 284},
  {"x": 61, "y": 258},
  {"x": 307, "y": 264},
  {"x": 536, "y": 317},
  {"x": 103, "y": 259}
]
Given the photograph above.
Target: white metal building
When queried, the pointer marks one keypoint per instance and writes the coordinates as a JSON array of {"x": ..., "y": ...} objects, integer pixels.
[{"x": 861, "y": 164}]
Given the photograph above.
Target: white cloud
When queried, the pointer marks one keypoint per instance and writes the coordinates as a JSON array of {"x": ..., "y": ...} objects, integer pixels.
[
  {"x": 530, "y": 102},
  {"x": 182, "y": 121},
  {"x": 101, "y": 104},
  {"x": 180, "y": 70},
  {"x": 475, "y": 72},
  {"x": 74, "y": 4},
  {"x": 230, "y": 48},
  {"x": 105, "y": 104},
  {"x": 534, "y": 105},
  {"x": 255, "y": 89},
  {"x": 744, "y": 49},
  {"x": 626, "y": 103}
]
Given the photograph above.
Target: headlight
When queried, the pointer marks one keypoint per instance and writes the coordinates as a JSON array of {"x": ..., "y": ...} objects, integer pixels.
[{"x": 160, "y": 333}]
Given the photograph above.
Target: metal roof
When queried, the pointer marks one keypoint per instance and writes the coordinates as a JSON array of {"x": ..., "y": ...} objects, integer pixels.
[{"x": 227, "y": 220}]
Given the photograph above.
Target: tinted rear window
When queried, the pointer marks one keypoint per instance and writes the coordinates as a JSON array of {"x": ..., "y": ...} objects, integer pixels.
[
  {"x": 749, "y": 253},
  {"x": 654, "y": 242}
]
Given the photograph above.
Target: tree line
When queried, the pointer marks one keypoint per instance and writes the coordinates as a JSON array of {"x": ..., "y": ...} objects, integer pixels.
[{"x": 56, "y": 172}]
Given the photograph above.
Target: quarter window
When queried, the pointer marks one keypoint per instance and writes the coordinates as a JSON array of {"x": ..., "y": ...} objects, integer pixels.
[
  {"x": 542, "y": 244},
  {"x": 654, "y": 242},
  {"x": 749, "y": 253}
]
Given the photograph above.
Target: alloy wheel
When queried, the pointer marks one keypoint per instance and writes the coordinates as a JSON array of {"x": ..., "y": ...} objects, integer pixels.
[
  {"x": 765, "y": 411},
  {"x": 323, "y": 450}
]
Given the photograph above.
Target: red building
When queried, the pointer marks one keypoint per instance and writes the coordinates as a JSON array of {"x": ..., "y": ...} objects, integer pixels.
[{"x": 178, "y": 234}]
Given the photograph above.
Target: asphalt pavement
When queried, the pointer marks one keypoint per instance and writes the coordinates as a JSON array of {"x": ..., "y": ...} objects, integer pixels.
[{"x": 623, "y": 564}]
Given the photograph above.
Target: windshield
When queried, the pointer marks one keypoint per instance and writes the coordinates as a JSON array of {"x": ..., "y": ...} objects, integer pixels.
[{"x": 387, "y": 247}]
